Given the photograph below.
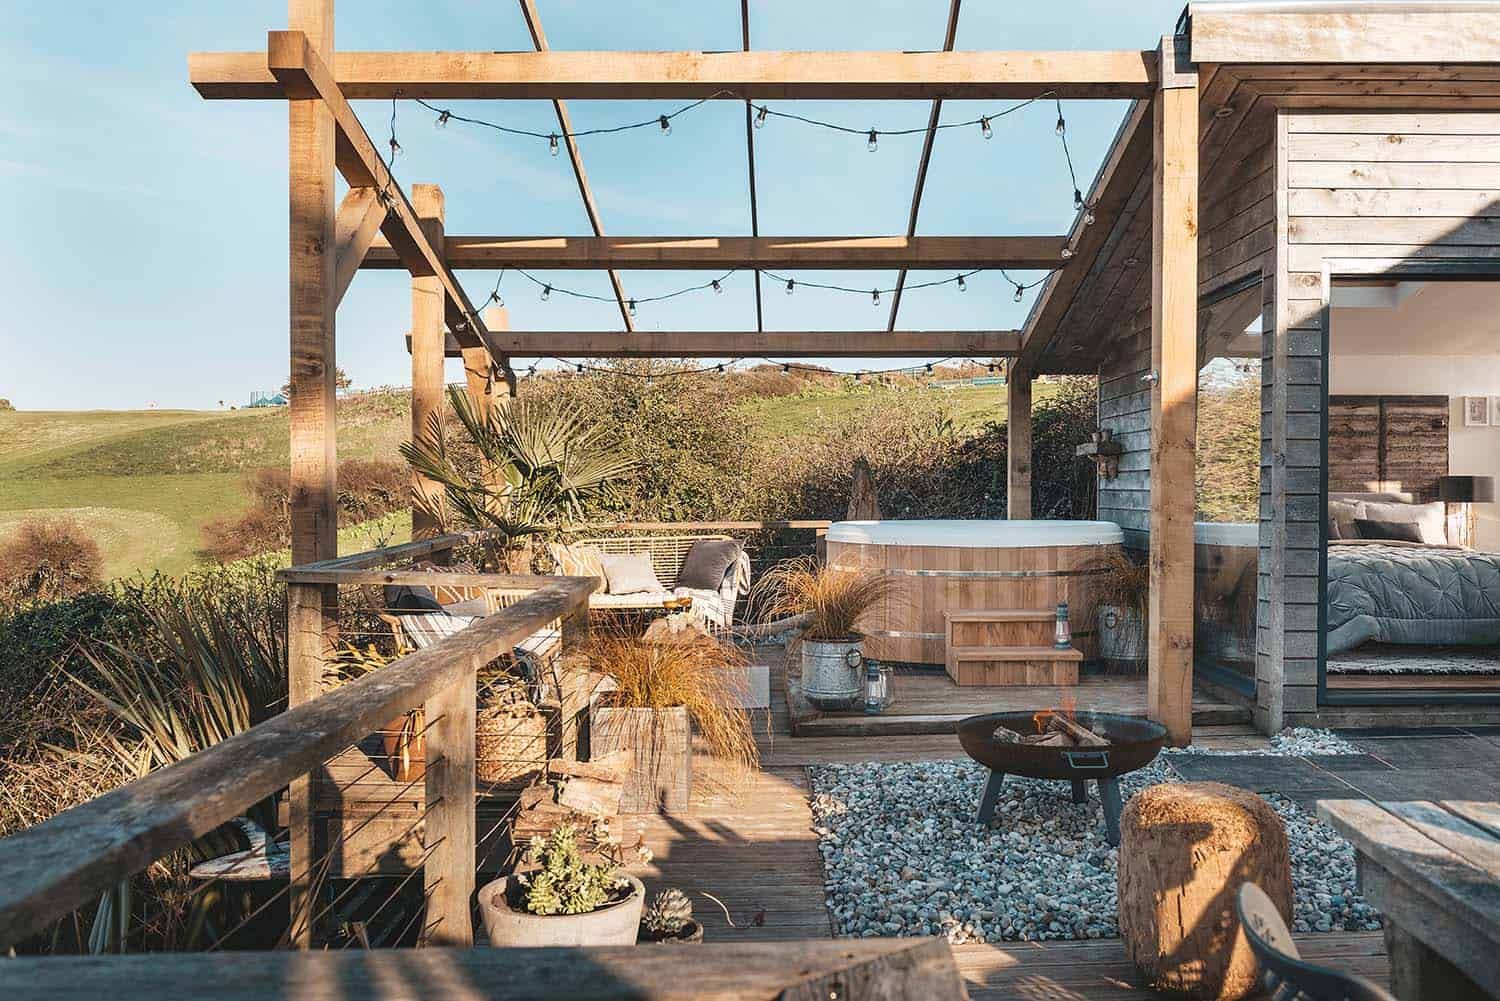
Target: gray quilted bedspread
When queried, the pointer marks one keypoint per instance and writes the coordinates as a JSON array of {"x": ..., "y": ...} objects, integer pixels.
[{"x": 1400, "y": 594}]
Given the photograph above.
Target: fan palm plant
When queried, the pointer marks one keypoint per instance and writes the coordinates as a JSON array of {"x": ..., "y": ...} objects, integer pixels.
[{"x": 525, "y": 468}]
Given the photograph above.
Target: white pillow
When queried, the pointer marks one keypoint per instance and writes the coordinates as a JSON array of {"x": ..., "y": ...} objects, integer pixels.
[
  {"x": 630, "y": 574},
  {"x": 1430, "y": 519}
]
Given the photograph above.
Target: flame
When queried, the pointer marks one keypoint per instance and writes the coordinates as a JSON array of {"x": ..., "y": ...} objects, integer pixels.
[{"x": 1067, "y": 709}]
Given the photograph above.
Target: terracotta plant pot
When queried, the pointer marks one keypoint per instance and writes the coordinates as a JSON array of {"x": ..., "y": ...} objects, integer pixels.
[
  {"x": 662, "y": 742},
  {"x": 506, "y": 927}
]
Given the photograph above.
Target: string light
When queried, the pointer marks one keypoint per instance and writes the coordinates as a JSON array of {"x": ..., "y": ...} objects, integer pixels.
[
  {"x": 552, "y": 144},
  {"x": 720, "y": 368},
  {"x": 760, "y": 117},
  {"x": 961, "y": 286},
  {"x": 984, "y": 128},
  {"x": 718, "y": 289},
  {"x": 442, "y": 120},
  {"x": 790, "y": 286},
  {"x": 666, "y": 125},
  {"x": 1019, "y": 293},
  {"x": 874, "y": 141},
  {"x": 632, "y": 307},
  {"x": 875, "y": 297},
  {"x": 546, "y": 292}
]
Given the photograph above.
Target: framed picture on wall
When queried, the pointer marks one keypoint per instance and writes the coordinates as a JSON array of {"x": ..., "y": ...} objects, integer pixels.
[
  {"x": 1495, "y": 411},
  {"x": 1476, "y": 411}
]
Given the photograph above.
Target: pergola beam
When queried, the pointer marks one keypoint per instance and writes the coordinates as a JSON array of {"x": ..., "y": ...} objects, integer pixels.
[
  {"x": 754, "y": 344},
  {"x": 292, "y": 61},
  {"x": 722, "y": 253},
  {"x": 679, "y": 76}
]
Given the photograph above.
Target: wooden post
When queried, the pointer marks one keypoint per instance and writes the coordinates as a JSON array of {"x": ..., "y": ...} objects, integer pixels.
[
  {"x": 1018, "y": 447},
  {"x": 449, "y": 834},
  {"x": 1174, "y": 392},
  {"x": 427, "y": 350},
  {"x": 311, "y": 611}
]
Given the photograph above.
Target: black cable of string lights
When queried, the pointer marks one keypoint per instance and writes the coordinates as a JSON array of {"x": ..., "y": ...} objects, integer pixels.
[{"x": 721, "y": 368}]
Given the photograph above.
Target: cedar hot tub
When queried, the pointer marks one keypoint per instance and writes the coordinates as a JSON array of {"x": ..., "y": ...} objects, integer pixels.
[{"x": 942, "y": 566}]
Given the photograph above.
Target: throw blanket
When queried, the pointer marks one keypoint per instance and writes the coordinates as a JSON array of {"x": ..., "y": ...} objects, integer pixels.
[{"x": 1411, "y": 594}]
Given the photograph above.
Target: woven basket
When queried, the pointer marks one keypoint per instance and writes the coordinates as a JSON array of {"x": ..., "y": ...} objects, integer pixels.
[{"x": 510, "y": 746}]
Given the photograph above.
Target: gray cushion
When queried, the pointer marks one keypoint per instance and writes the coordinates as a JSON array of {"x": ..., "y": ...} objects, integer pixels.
[
  {"x": 707, "y": 563},
  {"x": 410, "y": 598},
  {"x": 1398, "y": 531},
  {"x": 630, "y": 574}
]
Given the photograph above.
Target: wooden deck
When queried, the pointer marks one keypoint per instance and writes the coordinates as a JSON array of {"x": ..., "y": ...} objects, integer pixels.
[
  {"x": 928, "y": 702},
  {"x": 757, "y": 853}
]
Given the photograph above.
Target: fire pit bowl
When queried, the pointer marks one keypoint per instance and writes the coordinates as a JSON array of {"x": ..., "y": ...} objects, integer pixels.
[{"x": 1132, "y": 743}]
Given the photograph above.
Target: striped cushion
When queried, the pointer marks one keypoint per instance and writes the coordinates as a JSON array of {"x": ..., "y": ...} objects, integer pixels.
[{"x": 427, "y": 628}]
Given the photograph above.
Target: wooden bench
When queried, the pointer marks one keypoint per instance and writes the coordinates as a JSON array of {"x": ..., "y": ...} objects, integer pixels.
[
  {"x": 1433, "y": 871},
  {"x": 1006, "y": 646}
]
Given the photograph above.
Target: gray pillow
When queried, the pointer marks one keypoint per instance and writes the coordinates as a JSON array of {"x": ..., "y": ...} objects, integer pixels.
[
  {"x": 630, "y": 574},
  {"x": 1396, "y": 531},
  {"x": 1341, "y": 516},
  {"x": 404, "y": 598},
  {"x": 707, "y": 563}
]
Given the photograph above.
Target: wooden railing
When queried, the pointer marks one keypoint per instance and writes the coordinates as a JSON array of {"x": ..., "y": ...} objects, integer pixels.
[{"x": 60, "y": 865}]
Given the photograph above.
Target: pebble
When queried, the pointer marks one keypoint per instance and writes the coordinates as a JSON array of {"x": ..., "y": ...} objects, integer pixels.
[
  {"x": 904, "y": 855},
  {"x": 1294, "y": 742}
]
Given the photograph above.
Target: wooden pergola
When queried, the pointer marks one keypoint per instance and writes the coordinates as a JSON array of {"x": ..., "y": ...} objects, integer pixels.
[{"x": 377, "y": 225}]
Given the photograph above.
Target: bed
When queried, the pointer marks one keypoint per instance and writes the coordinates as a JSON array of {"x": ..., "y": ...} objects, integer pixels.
[{"x": 1408, "y": 593}]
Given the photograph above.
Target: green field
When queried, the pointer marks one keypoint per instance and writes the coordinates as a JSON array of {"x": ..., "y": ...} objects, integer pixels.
[{"x": 144, "y": 483}]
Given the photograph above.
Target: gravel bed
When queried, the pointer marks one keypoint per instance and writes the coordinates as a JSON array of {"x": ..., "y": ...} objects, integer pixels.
[
  {"x": 1296, "y": 742},
  {"x": 903, "y": 855}
]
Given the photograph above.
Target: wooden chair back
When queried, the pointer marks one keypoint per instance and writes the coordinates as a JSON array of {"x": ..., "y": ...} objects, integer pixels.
[
  {"x": 666, "y": 552},
  {"x": 1286, "y": 976}
]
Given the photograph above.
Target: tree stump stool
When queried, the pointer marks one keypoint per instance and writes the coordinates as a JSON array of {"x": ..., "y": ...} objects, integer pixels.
[{"x": 1185, "y": 848}]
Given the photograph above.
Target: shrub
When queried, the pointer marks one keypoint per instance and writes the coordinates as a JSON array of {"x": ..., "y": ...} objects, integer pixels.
[{"x": 49, "y": 559}]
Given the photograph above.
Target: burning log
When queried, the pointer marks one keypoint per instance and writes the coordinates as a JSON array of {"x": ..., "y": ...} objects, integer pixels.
[
  {"x": 1075, "y": 731},
  {"x": 1005, "y": 735}
]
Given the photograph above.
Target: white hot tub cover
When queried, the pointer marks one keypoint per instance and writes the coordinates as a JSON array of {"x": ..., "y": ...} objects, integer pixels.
[
  {"x": 1237, "y": 534},
  {"x": 989, "y": 534}
]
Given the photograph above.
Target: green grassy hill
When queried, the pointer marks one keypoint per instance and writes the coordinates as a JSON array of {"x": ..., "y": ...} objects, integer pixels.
[{"x": 144, "y": 483}]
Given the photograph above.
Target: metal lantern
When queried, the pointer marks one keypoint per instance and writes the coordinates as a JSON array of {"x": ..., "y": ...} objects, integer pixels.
[
  {"x": 878, "y": 692},
  {"x": 1063, "y": 637}
]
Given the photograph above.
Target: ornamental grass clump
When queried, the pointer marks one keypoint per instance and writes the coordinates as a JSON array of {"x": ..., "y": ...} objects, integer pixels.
[
  {"x": 692, "y": 670},
  {"x": 564, "y": 882},
  {"x": 832, "y": 599}
]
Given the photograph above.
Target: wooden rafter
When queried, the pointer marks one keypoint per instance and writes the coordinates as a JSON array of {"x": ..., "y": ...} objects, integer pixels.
[
  {"x": 1111, "y": 190},
  {"x": 754, "y": 344},
  {"x": 779, "y": 76},
  {"x": 722, "y": 253},
  {"x": 575, "y": 157},
  {"x": 949, "y": 38},
  {"x": 302, "y": 74}
]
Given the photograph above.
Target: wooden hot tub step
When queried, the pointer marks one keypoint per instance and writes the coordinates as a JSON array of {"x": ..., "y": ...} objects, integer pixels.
[
  {"x": 1013, "y": 665},
  {"x": 996, "y": 627}
]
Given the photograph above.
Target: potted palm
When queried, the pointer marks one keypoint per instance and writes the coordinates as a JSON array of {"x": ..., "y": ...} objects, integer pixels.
[
  {"x": 662, "y": 692},
  {"x": 561, "y": 898},
  {"x": 830, "y": 600},
  {"x": 521, "y": 470}
]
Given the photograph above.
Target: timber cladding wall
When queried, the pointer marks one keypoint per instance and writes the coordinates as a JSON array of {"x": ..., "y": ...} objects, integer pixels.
[
  {"x": 1365, "y": 192},
  {"x": 1125, "y": 409}
]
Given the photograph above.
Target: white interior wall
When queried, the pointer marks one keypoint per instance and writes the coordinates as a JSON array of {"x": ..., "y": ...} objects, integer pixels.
[{"x": 1440, "y": 340}]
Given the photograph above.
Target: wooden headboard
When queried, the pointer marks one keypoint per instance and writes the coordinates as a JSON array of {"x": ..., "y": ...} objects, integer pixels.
[{"x": 1387, "y": 443}]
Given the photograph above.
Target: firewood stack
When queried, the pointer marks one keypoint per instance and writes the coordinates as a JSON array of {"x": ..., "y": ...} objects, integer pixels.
[
  {"x": 575, "y": 792},
  {"x": 1054, "y": 730}
]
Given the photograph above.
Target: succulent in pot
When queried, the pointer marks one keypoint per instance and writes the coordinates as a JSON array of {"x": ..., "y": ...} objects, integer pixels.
[
  {"x": 560, "y": 897},
  {"x": 830, "y": 600},
  {"x": 669, "y": 918}
]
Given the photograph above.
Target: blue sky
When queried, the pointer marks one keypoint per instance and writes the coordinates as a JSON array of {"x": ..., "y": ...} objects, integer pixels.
[{"x": 146, "y": 252}]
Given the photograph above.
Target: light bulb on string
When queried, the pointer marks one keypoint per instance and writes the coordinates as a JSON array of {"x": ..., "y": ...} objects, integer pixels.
[
  {"x": 718, "y": 289},
  {"x": 552, "y": 144},
  {"x": 631, "y": 307},
  {"x": 984, "y": 128},
  {"x": 1020, "y": 291},
  {"x": 1067, "y": 253},
  {"x": 790, "y": 285},
  {"x": 760, "y": 117},
  {"x": 666, "y": 125},
  {"x": 875, "y": 297},
  {"x": 495, "y": 298},
  {"x": 874, "y": 141},
  {"x": 785, "y": 368},
  {"x": 929, "y": 368},
  {"x": 858, "y": 376},
  {"x": 1062, "y": 125},
  {"x": 442, "y": 119},
  {"x": 1088, "y": 215},
  {"x": 531, "y": 370},
  {"x": 580, "y": 368},
  {"x": 719, "y": 368},
  {"x": 961, "y": 286},
  {"x": 546, "y": 292}
]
